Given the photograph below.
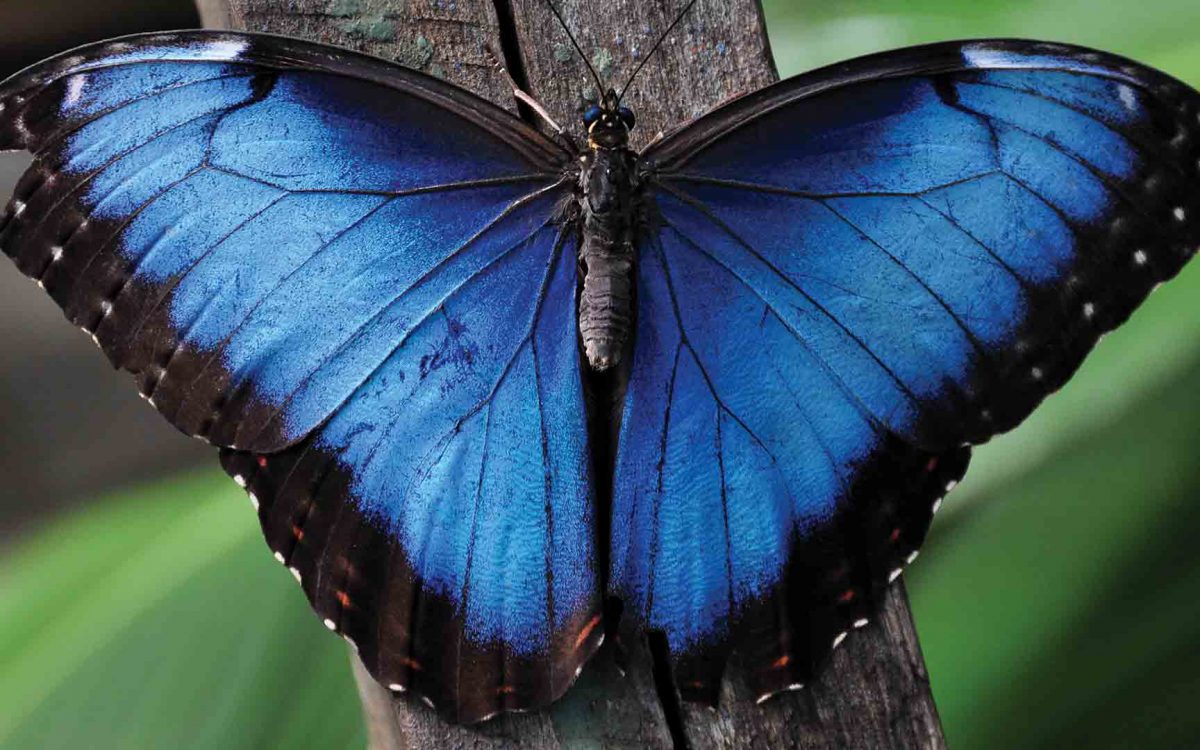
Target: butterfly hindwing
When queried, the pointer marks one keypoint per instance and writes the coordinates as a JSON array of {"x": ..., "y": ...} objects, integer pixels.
[
  {"x": 462, "y": 566},
  {"x": 349, "y": 277},
  {"x": 847, "y": 278}
]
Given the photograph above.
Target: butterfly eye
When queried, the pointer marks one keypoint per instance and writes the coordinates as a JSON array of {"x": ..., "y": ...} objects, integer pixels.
[
  {"x": 626, "y": 115},
  {"x": 591, "y": 115}
]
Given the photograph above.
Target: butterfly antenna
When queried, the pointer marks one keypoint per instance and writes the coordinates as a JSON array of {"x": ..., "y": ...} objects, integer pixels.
[
  {"x": 575, "y": 44},
  {"x": 654, "y": 49}
]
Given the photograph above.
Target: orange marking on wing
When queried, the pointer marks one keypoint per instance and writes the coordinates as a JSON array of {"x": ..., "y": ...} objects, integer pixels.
[
  {"x": 343, "y": 598},
  {"x": 297, "y": 532},
  {"x": 587, "y": 630},
  {"x": 262, "y": 461},
  {"x": 411, "y": 663},
  {"x": 781, "y": 662},
  {"x": 847, "y": 596},
  {"x": 506, "y": 690},
  {"x": 895, "y": 534}
]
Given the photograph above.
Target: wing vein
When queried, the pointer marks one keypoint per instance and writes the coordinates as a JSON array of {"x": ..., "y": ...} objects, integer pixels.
[
  {"x": 354, "y": 334},
  {"x": 421, "y": 190},
  {"x": 652, "y": 563},
  {"x": 1107, "y": 182},
  {"x": 798, "y": 336},
  {"x": 720, "y": 451},
  {"x": 1140, "y": 144},
  {"x": 813, "y": 195},
  {"x": 49, "y": 212},
  {"x": 548, "y": 478},
  {"x": 68, "y": 132},
  {"x": 975, "y": 343}
]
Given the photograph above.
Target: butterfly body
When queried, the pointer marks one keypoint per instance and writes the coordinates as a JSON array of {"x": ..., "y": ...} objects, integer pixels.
[
  {"x": 369, "y": 288},
  {"x": 610, "y": 204}
]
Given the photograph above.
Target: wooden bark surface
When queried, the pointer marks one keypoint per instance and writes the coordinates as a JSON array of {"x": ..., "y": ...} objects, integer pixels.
[{"x": 874, "y": 692}]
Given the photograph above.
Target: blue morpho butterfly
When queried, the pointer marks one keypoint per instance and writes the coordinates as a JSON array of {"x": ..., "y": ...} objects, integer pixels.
[{"x": 383, "y": 297}]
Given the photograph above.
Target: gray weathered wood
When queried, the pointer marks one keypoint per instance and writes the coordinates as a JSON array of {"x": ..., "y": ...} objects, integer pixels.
[
  {"x": 717, "y": 52},
  {"x": 445, "y": 38},
  {"x": 875, "y": 692}
]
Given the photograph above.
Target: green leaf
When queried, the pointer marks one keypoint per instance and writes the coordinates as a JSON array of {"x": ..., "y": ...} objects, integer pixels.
[
  {"x": 1071, "y": 597},
  {"x": 160, "y": 620}
]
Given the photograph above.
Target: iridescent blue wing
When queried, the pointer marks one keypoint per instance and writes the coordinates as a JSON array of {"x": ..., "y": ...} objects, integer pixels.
[
  {"x": 850, "y": 277},
  {"x": 347, "y": 275}
]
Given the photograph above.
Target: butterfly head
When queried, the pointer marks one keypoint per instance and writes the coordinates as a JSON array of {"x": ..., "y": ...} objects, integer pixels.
[{"x": 608, "y": 123}]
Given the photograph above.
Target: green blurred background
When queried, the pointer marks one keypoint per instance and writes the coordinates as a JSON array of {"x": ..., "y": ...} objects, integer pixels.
[{"x": 1058, "y": 598}]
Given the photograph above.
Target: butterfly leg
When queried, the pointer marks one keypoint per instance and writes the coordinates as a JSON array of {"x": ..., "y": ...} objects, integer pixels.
[{"x": 521, "y": 96}]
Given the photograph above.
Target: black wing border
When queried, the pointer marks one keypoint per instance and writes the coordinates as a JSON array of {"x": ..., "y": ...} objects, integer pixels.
[
  {"x": 677, "y": 146},
  {"x": 280, "y": 53}
]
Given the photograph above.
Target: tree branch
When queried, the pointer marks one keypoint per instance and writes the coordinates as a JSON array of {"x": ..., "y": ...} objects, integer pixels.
[{"x": 875, "y": 691}]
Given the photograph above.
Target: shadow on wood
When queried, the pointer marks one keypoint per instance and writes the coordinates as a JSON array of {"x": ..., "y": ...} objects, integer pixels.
[{"x": 874, "y": 692}]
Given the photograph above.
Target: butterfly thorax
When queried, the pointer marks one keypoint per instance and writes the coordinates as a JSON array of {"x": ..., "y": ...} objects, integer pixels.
[{"x": 609, "y": 197}]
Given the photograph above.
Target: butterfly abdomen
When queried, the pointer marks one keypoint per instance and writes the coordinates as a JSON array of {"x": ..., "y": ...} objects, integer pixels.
[{"x": 606, "y": 255}]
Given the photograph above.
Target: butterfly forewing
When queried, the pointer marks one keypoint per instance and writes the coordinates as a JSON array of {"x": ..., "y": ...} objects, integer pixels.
[{"x": 849, "y": 277}]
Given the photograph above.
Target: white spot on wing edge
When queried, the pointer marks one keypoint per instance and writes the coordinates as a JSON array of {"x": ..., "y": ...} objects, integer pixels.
[
  {"x": 241, "y": 480},
  {"x": 1128, "y": 97},
  {"x": 837, "y": 640},
  {"x": 74, "y": 90},
  {"x": 253, "y": 499},
  {"x": 279, "y": 556},
  {"x": 860, "y": 622},
  {"x": 912, "y": 556},
  {"x": 295, "y": 574},
  {"x": 330, "y": 624},
  {"x": 894, "y": 574},
  {"x": 217, "y": 50},
  {"x": 984, "y": 55},
  {"x": 396, "y": 687}
]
